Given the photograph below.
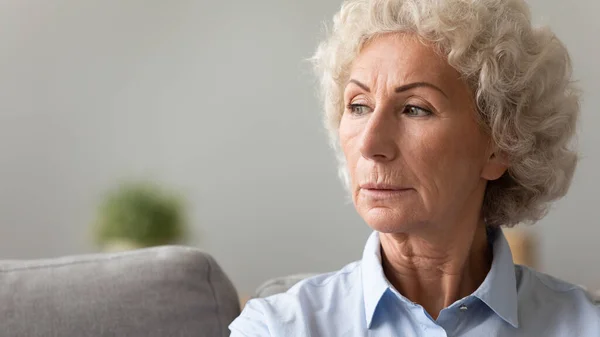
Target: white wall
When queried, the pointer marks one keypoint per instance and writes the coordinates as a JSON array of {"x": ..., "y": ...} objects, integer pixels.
[
  {"x": 214, "y": 98},
  {"x": 570, "y": 234}
]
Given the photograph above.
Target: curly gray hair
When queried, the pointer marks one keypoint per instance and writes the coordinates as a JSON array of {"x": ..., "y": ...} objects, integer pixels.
[{"x": 520, "y": 76}]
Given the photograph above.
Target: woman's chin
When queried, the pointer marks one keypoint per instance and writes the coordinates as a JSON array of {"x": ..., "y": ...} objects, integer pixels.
[{"x": 389, "y": 220}]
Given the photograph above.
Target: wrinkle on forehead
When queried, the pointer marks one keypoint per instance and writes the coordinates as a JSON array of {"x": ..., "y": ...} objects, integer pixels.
[{"x": 403, "y": 58}]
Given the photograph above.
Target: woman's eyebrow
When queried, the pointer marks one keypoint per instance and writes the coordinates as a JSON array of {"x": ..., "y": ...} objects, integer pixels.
[
  {"x": 361, "y": 85},
  {"x": 402, "y": 87},
  {"x": 419, "y": 84}
]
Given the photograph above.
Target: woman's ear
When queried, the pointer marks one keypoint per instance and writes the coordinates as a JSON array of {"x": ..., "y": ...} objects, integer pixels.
[{"x": 496, "y": 166}]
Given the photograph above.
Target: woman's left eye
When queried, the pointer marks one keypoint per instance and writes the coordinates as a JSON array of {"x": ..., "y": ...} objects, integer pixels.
[
  {"x": 358, "y": 109},
  {"x": 415, "y": 111}
]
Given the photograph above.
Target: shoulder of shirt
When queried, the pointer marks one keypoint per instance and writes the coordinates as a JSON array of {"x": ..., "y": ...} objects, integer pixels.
[
  {"x": 550, "y": 282},
  {"x": 327, "y": 279},
  {"x": 541, "y": 282},
  {"x": 318, "y": 289},
  {"x": 323, "y": 294}
]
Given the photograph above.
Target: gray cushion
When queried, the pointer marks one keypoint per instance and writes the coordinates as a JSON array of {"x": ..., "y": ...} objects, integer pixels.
[{"x": 165, "y": 291}]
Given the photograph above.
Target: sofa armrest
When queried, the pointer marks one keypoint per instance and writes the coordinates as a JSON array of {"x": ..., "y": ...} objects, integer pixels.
[{"x": 155, "y": 292}]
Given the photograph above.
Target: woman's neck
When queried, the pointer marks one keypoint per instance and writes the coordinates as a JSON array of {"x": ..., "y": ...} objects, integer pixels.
[{"x": 436, "y": 272}]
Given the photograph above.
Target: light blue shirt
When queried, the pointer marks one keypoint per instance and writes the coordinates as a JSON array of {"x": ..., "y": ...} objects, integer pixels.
[{"x": 359, "y": 301}]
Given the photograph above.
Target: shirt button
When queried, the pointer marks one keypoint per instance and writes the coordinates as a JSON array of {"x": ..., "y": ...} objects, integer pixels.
[{"x": 463, "y": 307}]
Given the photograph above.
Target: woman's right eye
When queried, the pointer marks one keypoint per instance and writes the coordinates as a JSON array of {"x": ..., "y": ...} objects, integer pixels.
[{"x": 358, "y": 109}]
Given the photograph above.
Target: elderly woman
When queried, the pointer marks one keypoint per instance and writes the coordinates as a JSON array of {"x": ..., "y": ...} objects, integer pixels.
[{"x": 452, "y": 118}]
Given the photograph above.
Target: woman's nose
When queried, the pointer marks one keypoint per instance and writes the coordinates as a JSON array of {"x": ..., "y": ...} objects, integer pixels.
[{"x": 379, "y": 137}]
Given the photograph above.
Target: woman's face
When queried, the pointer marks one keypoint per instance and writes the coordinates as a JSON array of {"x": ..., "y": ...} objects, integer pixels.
[{"x": 416, "y": 155}]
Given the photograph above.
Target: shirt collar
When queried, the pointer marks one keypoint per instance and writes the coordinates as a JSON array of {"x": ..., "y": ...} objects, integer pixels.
[
  {"x": 374, "y": 282},
  {"x": 498, "y": 290}
]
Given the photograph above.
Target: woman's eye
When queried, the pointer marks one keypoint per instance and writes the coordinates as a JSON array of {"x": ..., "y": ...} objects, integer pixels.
[
  {"x": 358, "y": 109},
  {"x": 415, "y": 111}
]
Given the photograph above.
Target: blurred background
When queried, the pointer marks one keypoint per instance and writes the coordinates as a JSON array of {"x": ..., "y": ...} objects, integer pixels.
[{"x": 213, "y": 105}]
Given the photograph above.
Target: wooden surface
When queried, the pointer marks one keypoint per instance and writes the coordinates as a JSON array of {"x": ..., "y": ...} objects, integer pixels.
[{"x": 522, "y": 245}]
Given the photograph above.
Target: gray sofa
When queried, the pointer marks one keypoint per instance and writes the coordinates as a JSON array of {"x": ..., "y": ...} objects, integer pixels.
[{"x": 156, "y": 292}]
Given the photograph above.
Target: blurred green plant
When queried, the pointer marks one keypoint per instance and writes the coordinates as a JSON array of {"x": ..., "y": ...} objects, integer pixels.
[{"x": 140, "y": 214}]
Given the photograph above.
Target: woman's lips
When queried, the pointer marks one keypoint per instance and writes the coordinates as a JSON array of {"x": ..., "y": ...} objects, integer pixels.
[{"x": 384, "y": 192}]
